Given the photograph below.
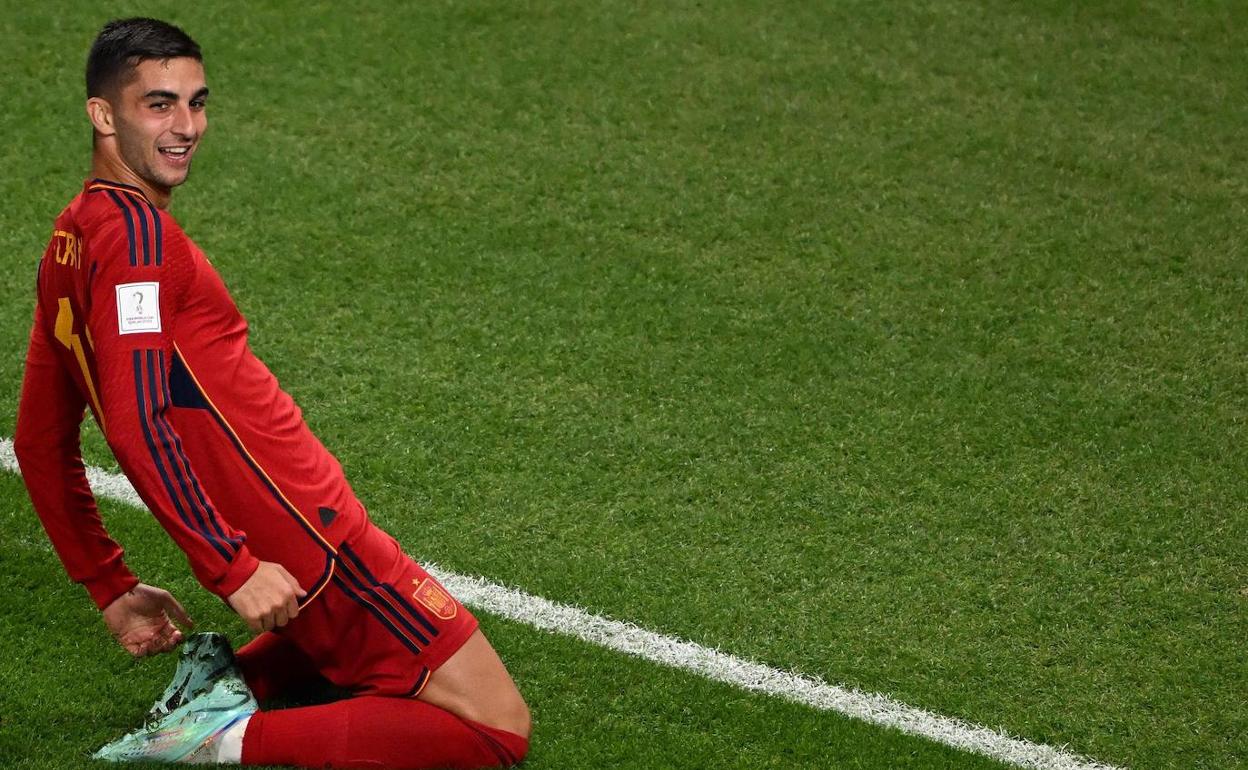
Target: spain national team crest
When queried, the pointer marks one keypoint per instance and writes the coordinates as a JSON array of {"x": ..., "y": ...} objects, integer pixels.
[{"x": 435, "y": 599}]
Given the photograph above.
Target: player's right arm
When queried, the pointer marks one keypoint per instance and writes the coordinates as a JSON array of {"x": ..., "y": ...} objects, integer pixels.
[
  {"x": 47, "y": 447},
  {"x": 89, "y": 322}
]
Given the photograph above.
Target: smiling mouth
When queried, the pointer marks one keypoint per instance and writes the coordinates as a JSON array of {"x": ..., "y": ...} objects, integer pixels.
[{"x": 175, "y": 153}]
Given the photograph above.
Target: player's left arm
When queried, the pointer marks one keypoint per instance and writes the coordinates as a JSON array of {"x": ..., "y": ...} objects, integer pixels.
[{"x": 142, "y": 291}]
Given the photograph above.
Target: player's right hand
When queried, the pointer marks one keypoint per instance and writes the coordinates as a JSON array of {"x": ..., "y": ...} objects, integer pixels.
[
  {"x": 269, "y": 599},
  {"x": 141, "y": 620}
]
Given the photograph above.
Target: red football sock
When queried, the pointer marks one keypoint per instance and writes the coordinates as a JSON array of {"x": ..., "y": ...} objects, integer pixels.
[
  {"x": 273, "y": 665},
  {"x": 376, "y": 732}
]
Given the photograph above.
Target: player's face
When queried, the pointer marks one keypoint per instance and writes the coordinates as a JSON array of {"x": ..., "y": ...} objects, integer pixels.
[{"x": 159, "y": 118}]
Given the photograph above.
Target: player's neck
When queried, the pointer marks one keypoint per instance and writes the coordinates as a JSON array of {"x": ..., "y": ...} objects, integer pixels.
[{"x": 106, "y": 165}]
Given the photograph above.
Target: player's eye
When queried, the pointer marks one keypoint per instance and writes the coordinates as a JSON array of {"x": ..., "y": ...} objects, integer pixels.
[
  {"x": 159, "y": 106},
  {"x": 198, "y": 104}
]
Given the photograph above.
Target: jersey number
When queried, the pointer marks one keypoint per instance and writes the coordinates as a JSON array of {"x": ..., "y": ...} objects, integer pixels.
[{"x": 65, "y": 334}]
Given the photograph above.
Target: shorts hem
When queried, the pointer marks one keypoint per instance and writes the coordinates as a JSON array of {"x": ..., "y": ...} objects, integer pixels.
[{"x": 449, "y": 643}]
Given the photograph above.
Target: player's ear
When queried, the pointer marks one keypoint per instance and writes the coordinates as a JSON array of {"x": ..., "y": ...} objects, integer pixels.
[{"x": 101, "y": 114}]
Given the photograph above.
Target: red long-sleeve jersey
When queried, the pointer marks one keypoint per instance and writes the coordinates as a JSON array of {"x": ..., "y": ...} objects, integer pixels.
[{"x": 133, "y": 322}]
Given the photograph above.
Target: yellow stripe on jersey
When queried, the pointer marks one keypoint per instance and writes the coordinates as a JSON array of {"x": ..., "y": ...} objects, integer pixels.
[{"x": 64, "y": 332}]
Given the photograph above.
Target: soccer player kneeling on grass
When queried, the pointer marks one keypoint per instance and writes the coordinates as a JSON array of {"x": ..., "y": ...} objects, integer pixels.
[{"x": 132, "y": 322}]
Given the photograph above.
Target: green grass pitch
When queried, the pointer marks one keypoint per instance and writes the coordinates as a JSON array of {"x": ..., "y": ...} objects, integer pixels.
[{"x": 903, "y": 345}]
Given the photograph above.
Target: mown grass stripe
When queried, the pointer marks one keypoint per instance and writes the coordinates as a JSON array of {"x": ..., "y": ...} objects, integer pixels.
[{"x": 483, "y": 594}]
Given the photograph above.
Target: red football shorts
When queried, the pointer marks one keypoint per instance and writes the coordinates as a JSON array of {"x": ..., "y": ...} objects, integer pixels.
[{"x": 382, "y": 625}]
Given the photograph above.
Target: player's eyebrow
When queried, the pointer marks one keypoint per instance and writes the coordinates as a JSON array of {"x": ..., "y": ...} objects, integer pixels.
[{"x": 159, "y": 94}]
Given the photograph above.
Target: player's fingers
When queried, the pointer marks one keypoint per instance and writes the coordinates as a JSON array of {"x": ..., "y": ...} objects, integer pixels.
[
  {"x": 132, "y": 642},
  {"x": 273, "y": 619},
  {"x": 254, "y": 621},
  {"x": 160, "y": 638},
  {"x": 293, "y": 583},
  {"x": 169, "y": 637},
  {"x": 174, "y": 609},
  {"x": 152, "y": 639},
  {"x": 158, "y": 646}
]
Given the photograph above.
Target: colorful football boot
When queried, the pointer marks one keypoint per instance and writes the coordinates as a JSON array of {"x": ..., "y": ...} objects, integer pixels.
[{"x": 186, "y": 734}]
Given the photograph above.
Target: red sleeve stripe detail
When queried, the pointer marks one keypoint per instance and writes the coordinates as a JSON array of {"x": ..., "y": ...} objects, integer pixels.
[
  {"x": 156, "y": 231},
  {"x": 147, "y": 243},
  {"x": 149, "y": 236}
]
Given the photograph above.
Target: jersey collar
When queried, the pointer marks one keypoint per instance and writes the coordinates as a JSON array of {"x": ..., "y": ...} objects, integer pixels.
[{"x": 97, "y": 184}]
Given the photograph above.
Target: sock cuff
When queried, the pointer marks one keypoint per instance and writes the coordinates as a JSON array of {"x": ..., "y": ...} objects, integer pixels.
[
  {"x": 253, "y": 738},
  {"x": 230, "y": 741}
]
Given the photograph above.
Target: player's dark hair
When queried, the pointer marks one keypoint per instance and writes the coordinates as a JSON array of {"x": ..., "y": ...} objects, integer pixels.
[{"x": 123, "y": 43}]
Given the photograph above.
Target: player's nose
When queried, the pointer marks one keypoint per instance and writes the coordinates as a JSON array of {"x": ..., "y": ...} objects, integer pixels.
[{"x": 183, "y": 123}]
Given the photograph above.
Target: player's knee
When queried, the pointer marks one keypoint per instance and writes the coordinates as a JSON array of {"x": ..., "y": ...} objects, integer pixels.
[
  {"x": 518, "y": 722},
  {"x": 510, "y": 714},
  {"x": 499, "y": 707},
  {"x": 520, "y": 748},
  {"x": 522, "y": 721}
]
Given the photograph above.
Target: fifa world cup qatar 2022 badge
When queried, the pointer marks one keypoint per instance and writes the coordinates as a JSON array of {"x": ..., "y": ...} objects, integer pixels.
[
  {"x": 138, "y": 307},
  {"x": 434, "y": 598}
]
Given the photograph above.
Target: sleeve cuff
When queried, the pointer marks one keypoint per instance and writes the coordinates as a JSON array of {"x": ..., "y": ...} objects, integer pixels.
[
  {"x": 105, "y": 590},
  {"x": 240, "y": 569}
]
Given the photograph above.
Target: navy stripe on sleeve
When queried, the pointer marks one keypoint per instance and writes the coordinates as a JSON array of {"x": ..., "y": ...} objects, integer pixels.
[
  {"x": 199, "y": 503},
  {"x": 165, "y": 446},
  {"x": 145, "y": 412},
  {"x": 147, "y": 242},
  {"x": 156, "y": 231},
  {"x": 129, "y": 225},
  {"x": 203, "y": 515}
]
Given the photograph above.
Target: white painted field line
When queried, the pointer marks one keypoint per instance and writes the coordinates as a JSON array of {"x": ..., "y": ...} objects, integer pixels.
[
  {"x": 111, "y": 485},
  {"x": 550, "y": 616}
]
